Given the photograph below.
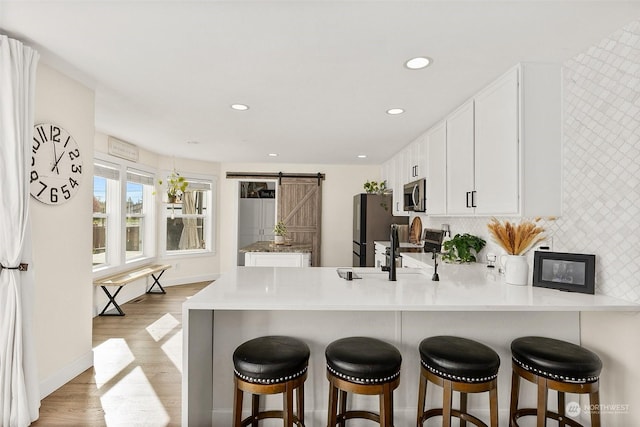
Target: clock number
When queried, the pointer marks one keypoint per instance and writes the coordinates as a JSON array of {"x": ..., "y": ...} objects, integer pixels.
[
  {"x": 44, "y": 187},
  {"x": 53, "y": 195},
  {"x": 55, "y": 137},
  {"x": 34, "y": 176},
  {"x": 73, "y": 182},
  {"x": 36, "y": 145},
  {"x": 43, "y": 135},
  {"x": 74, "y": 154},
  {"x": 65, "y": 192},
  {"x": 76, "y": 168},
  {"x": 33, "y": 161}
]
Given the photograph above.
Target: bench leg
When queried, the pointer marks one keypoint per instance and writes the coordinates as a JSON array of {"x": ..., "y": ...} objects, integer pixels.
[
  {"x": 112, "y": 300},
  {"x": 156, "y": 281}
]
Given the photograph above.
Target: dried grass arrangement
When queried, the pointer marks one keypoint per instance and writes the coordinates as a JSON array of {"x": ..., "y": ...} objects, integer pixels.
[{"x": 516, "y": 239}]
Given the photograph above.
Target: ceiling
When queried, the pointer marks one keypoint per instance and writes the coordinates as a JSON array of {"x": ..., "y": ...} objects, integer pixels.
[{"x": 318, "y": 76}]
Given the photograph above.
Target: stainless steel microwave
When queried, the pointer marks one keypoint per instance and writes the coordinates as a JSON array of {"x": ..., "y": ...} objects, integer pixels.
[{"x": 414, "y": 196}]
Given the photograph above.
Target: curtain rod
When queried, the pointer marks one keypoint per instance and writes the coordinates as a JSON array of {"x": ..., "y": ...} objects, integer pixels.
[{"x": 279, "y": 175}]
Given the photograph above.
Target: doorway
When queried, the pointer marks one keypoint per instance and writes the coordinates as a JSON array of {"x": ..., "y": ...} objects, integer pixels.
[{"x": 257, "y": 204}]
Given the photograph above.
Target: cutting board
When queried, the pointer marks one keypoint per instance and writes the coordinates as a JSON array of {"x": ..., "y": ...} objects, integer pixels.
[{"x": 415, "y": 232}]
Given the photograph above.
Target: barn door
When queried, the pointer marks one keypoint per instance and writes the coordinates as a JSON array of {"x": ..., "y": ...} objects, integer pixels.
[{"x": 300, "y": 208}]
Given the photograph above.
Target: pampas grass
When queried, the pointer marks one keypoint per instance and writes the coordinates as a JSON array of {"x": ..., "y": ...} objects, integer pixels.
[{"x": 516, "y": 239}]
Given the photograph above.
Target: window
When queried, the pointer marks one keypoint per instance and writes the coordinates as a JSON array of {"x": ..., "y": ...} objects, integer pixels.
[
  {"x": 188, "y": 224},
  {"x": 105, "y": 208},
  {"x": 123, "y": 215},
  {"x": 138, "y": 208}
]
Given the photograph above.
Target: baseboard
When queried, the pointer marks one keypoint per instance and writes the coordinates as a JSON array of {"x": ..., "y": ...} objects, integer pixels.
[{"x": 66, "y": 374}]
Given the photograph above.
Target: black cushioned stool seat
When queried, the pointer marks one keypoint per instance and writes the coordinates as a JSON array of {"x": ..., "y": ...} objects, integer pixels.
[
  {"x": 270, "y": 365},
  {"x": 462, "y": 365},
  {"x": 362, "y": 365},
  {"x": 558, "y": 365}
]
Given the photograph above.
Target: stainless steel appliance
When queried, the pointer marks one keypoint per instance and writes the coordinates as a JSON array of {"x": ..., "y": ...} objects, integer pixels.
[
  {"x": 414, "y": 196},
  {"x": 372, "y": 220}
]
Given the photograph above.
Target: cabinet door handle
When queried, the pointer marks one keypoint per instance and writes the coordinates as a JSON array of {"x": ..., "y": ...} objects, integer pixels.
[
  {"x": 473, "y": 199},
  {"x": 467, "y": 199}
]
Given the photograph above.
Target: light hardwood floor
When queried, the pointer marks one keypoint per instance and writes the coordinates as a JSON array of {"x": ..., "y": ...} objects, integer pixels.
[{"x": 136, "y": 378}]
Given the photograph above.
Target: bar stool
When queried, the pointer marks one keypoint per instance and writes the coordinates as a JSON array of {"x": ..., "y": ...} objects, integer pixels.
[
  {"x": 362, "y": 365},
  {"x": 553, "y": 364},
  {"x": 462, "y": 365},
  {"x": 270, "y": 365}
]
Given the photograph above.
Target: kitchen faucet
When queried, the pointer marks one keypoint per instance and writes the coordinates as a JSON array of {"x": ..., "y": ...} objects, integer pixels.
[{"x": 394, "y": 249}]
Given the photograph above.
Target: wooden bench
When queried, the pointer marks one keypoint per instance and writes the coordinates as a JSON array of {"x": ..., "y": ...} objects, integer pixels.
[{"x": 129, "y": 276}]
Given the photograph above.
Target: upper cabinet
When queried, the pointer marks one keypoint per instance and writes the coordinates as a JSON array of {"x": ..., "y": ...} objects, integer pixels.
[
  {"x": 500, "y": 152},
  {"x": 460, "y": 161},
  {"x": 436, "y": 177}
]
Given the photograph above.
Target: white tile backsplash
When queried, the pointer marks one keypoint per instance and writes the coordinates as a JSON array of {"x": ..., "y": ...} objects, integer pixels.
[{"x": 601, "y": 165}]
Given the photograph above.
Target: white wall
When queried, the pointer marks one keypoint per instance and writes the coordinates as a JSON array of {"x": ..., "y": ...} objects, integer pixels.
[
  {"x": 341, "y": 184},
  {"x": 61, "y": 250}
]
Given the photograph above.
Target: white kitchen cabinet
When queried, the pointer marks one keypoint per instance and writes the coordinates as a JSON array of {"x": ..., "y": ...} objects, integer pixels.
[
  {"x": 256, "y": 220},
  {"x": 496, "y": 188},
  {"x": 416, "y": 159},
  {"x": 277, "y": 259},
  {"x": 400, "y": 169},
  {"x": 460, "y": 160},
  {"x": 504, "y": 146},
  {"x": 436, "y": 170}
]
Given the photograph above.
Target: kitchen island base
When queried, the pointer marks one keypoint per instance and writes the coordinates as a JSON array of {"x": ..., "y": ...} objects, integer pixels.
[{"x": 212, "y": 399}]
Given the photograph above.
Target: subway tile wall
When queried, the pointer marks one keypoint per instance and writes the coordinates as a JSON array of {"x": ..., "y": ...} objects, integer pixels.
[{"x": 601, "y": 166}]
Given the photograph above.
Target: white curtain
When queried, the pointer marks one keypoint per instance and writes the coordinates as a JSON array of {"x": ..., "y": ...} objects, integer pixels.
[
  {"x": 189, "y": 237},
  {"x": 19, "y": 394}
]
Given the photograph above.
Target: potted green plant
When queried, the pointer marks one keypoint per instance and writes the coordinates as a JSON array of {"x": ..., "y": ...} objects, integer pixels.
[
  {"x": 176, "y": 186},
  {"x": 280, "y": 231},
  {"x": 373, "y": 187},
  {"x": 461, "y": 248}
]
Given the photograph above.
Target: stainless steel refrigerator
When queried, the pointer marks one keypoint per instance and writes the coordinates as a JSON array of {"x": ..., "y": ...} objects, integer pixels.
[{"x": 372, "y": 221}]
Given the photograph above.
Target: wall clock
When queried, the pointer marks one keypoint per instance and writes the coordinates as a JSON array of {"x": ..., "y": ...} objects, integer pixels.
[{"x": 56, "y": 165}]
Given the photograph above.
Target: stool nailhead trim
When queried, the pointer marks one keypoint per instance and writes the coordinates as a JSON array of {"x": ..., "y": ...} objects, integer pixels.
[
  {"x": 363, "y": 380},
  {"x": 269, "y": 380},
  {"x": 457, "y": 378},
  {"x": 555, "y": 376}
]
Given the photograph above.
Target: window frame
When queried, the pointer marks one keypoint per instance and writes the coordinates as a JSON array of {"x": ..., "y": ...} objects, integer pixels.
[
  {"x": 116, "y": 254},
  {"x": 209, "y": 233}
]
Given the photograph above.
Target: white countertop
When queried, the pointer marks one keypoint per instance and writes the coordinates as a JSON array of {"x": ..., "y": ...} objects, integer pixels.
[{"x": 470, "y": 287}]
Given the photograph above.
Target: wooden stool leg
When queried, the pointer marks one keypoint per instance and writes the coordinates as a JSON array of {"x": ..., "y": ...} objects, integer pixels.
[
  {"x": 446, "y": 403},
  {"x": 342, "y": 402},
  {"x": 542, "y": 402},
  {"x": 287, "y": 406},
  {"x": 493, "y": 405},
  {"x": 594, "y": 402},
  {"x": 386, "y": 407},
  {"x": 300, "y": 403},
  {"x": 463, "y": 407},
  {"x": 422, "y": 396},
  {"x": 237, "y": 405},
  {"x": 333, "y": 406},
  {"x": 515, "y": 394},
  {"x": 255, "y": 409},
  {"x": 561, "y": 409}
]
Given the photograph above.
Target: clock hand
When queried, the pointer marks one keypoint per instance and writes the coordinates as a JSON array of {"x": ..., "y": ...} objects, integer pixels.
[
  {"x": 55, "y": 159},
  {"x": 55, "y": 165}
]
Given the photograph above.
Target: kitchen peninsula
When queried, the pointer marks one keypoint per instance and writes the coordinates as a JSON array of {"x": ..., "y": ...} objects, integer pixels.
[
  {"x": 270, "y": 254},
  {"x": 316, "y": 305}
]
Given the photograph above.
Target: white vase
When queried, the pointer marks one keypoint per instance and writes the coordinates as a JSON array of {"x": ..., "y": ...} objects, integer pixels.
[
  {"x": 279, "y": 239},
  {"x": 516, "y": 269}
]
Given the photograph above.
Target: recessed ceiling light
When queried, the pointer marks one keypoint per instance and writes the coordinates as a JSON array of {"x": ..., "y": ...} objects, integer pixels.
[
  {"x": 418, "y": 63},
  {"x": 273, "y": 154},
  {"x": 362, "y": 156},
  {"x": 395, "y": 111},
  {"x": 240, "y": 107}
]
